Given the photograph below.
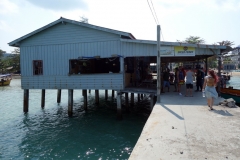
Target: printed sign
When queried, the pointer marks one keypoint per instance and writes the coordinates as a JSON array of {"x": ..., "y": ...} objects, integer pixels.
[
  {"x": 184, "y": 51},
  {"x": 167, "y": 51}
]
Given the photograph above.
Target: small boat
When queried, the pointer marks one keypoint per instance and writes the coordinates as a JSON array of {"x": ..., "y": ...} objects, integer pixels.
[
  {"x": 5, "y": 79},
  {"x": 231, "y": 93}
]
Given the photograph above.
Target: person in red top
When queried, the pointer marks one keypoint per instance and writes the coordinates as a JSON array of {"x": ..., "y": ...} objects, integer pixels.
[{"x": 210, "y": 82}]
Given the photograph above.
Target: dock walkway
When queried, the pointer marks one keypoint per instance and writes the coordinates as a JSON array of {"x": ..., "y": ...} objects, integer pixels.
[{"x": 184, "y": 128}]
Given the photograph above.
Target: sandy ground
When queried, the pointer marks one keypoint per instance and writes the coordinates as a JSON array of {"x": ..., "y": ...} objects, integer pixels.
[
  {"x": 235, "y": 73},
  {"x": 16, "y": 76}
]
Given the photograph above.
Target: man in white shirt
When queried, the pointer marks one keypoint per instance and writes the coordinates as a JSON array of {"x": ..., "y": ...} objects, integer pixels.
[{"x": 189, "y": 82}]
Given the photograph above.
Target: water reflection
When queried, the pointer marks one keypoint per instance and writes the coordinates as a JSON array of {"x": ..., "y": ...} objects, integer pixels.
[{"x": 92, "y": 134}]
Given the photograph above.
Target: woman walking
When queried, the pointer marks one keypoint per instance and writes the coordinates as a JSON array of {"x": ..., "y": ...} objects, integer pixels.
[{"x": 210, "y": 82}]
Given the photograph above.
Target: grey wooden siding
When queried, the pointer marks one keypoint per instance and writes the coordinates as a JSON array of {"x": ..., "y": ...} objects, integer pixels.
[
  {"x": 138, "y": 49},
  {"x": 56, "y": 66},
  {"x": 98, "y": 81},
  {"x": 56, "y": 57},
  {"x": 68, "y": 33}
]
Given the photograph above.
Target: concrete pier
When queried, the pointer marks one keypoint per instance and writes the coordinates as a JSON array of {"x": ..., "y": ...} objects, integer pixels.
[{"x": 184, "y": 128}]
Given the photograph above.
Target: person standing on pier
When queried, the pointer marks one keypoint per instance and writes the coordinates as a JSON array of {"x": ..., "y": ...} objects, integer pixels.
[
  {"x": 181, "y": 76},
  {"x": 210, "y": 82},
  {"x": 199, "y": 79},
  {"x": 189, "y": 82},
  {"x": 166, "y": 75}
]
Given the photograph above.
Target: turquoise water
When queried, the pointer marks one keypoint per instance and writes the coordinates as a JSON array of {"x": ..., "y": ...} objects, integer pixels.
[
  {"x": 50, "y": 134},
  {"x": 235, "y": 82}
]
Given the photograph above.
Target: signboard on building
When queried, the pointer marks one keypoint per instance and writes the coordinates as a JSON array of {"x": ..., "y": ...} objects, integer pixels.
[
  {"x": 184, "y": 51},
  {"x": 167, "y": 51}
]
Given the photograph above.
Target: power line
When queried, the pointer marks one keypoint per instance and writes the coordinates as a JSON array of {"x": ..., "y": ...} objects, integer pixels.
[
  {"x": 152, "y": 12},
  {"x": 155, "y": 12},
  {"x": 162, "y": 35}
]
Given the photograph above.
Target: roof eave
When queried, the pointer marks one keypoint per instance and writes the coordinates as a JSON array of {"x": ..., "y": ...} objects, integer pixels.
[{"x": 64, "y": 20}]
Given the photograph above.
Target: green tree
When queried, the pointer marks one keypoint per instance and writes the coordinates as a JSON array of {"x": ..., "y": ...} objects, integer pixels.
[
  {"x": 193, "y": 40},
  {"x": 1, "y": 53},
  {"x": 83, "y": 19},
  {"x": 225, "y": 43},
  {"x": 15, "y": 60}
]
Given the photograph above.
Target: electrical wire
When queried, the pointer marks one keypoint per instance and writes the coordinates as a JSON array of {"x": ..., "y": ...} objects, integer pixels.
[
  {"x": 155, "y": 12},
  {"x": 152, "y": 12},
  {"x": 162, "y": 35}
]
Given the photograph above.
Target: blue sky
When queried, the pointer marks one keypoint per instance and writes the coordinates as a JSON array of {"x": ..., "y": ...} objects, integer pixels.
[{"x": 212, "y": 20}]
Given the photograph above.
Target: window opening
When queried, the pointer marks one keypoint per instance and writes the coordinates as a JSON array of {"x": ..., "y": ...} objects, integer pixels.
[{"x": 37, "y": 67}]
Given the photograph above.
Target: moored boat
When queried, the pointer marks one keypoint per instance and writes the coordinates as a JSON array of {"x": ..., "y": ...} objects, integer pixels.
[
  {"x": 231, "y": 93},
  {"x": 5, "y": 79}
]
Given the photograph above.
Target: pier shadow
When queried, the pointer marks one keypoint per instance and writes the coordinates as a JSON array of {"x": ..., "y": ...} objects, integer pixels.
[
  {"x": 222, "y": 112},
  {"x": 175, "y": 114}
]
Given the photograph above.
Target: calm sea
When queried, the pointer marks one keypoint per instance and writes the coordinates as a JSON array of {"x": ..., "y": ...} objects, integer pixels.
[{"x": 50, "y": 134}]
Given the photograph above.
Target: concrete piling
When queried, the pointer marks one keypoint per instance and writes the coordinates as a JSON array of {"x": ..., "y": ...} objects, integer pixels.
[
  {"x": 85, "y": 99},
  {"x": 25, "y": 100},
  {"x": 96, "y": 96},
  {"x": 119, "y": 105},
  {"x": 70, "y": 102},
  {"x": 59, "y": 95},
  {"x": 43, "y": 98}
]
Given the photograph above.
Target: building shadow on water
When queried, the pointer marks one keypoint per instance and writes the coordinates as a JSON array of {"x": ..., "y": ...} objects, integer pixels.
[{"x": 91, "y": 134}]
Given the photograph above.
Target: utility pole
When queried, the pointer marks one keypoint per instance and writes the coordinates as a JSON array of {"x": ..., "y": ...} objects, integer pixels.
[{"x": 158, "y": 65}]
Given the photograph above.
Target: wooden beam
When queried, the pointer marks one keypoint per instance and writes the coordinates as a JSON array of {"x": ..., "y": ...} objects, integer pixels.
[
  {"x": 126, "y": 101},
  {"x": 70, "y": 102},
  {"x": 59, "y": 95},
  {"x": 106, "y": 94},
  {"x": 132, "y": 99},
  {"x": 96, "y": 96},
  {"x": 119, "y": 105},
  {"x": 25, "y": 100},
  {"x": 113, "y": 92},
  {"x": 43, "y": 98},
  {"x": 85, "y": 103}
]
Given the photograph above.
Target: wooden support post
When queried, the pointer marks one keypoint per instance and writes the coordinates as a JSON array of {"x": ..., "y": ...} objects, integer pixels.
[
  {"x": 96, "y": 96},
  {"x": 25, "y": 100},
  {"x": 89, "y": 91},
  {"x": 106, "y": 94},
  {"x": 132, "y": 99},
  {"x": 158, "y": 65},
  {"x": 138, "y": 97},
  {"x": 141, "y": 96},
  {"x": 113, "y": 92},
  {"x": 85, "y": 99},
  {"x": 151, "y": 101},
  {"x": 59, "y": 95},
  {"x": 219, "y": 73},
  {"x": 206, "y": 62},
  {"x": 70, "y": 102},
  {"x": 119, "y": 105},
  {"x": 43, "y": 98},
  {"x": 126, "y": 101}
]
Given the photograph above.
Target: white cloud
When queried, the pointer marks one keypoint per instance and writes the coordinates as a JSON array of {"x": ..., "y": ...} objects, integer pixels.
[
  {"x": 7, "y": 7},
  {"x": 5, "y": 27},
  {"x": 59, "y": 5}
]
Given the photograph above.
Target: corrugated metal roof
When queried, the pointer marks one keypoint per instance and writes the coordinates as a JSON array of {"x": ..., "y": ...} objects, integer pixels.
[
  {"x": 175, "y": 44},
  {"x": 15, "y": 43}
]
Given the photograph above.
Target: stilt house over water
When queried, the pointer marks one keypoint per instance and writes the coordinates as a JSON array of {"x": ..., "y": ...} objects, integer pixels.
[{"x": 68, "y": 54}]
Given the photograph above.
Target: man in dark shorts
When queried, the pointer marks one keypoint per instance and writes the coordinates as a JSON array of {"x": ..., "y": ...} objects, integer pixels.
[
  {"x": 189, "y": 82},
  {"x": 166, "y": 75}
]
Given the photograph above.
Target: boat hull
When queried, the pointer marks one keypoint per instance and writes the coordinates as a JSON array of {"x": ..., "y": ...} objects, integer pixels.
[
  {"x": 5, "y": 83},
  {"x": 231, "y": 93}
]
